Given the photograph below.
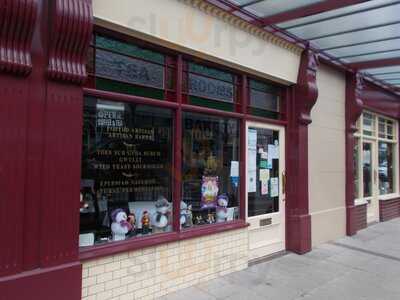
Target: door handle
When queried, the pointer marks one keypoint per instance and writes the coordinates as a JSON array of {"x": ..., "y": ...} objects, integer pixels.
[
  {"x": 375, "y": 176},
  {"x": 283, "y": 182}
]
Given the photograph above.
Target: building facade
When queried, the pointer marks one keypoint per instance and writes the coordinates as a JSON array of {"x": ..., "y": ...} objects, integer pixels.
[{"x": 151, "y": 145}]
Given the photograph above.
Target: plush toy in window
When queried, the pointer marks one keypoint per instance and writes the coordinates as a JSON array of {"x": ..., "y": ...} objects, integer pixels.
[
  {"x": 160, "y": 223},
  {"x": 120, "y": 226},
  {"x": 186, "y": 215},
  {"x": 222, "y": 208}
]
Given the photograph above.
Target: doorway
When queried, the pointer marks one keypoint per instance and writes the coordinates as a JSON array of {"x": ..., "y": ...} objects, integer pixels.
[{"x": 265, "y": 207}]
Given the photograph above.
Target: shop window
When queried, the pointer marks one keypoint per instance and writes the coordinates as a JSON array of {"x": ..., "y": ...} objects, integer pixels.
[
  {"x": 356, "y": 160},
  {"x": 126, "y": 186},
  {"x": 117, "y": 66},
  {"x": 368, "y": 124},
  {"x": 264, "y": 99},
  {"x": 386, "y": 155},
  {"x": 210, "y": 170},
  {"x": 209, "y": 87}
]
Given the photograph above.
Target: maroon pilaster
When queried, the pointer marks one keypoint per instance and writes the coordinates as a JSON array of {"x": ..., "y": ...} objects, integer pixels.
[
  {"x": 42, "y": 66},
  {"x": 305, "y": 95},
  {"x": 354, "y": 108},
  {"x": 17, "y": 19}
]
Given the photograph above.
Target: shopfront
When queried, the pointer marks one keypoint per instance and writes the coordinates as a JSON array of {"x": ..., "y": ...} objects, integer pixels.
[{"x": 141, "y": 156}]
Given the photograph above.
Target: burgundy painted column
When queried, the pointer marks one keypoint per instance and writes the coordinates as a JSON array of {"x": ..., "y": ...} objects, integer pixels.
[
  {"x": 356, "y": 215},
  {"x": 43, "y": 45},
  {"x": 304, "y": 96}
]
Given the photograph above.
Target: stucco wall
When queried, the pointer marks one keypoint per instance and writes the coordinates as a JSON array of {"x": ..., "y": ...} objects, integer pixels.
[
  {"x": 177, "y": 24},
  {"x": 327, "y": 158}
]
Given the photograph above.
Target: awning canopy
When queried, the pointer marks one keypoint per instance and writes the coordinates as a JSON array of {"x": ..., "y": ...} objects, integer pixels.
[{"x": 357, "y": 34}]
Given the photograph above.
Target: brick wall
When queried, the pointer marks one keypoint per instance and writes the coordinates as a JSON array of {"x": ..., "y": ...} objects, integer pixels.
[
  {"x": 360, "y": 217},
  {"x": 159, "y": 270},
  {"x": 389, "y": 209}
]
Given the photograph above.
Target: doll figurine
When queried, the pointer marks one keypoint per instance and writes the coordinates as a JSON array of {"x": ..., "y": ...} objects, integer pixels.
[
  {"x": 145, "y": 222},
  {"x": 120, "y": 226},
  {"x": 132, "y": 220},
  {"x": 222, "y": 208},
  {"x": 160, "y": 223}
]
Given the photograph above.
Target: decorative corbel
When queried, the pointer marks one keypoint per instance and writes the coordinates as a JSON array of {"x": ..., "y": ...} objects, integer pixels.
[
  {"x": 355, "y": 102},
  {"x": 71, "y": 31},
  {"x": 306, "y": 89},
  {"x": 17, "y": 22}
]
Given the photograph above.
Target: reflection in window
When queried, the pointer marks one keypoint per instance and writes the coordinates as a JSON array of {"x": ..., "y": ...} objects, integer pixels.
[
  {"x": 385, "y": 168},
  {"x": 210, "y": 170},
  {"x": 368, "y": 124},
  {"x": 264, "y": 99},
  {"x": 356, "y": 160},
  {"x": 126, "y": 171},
  {"x": 263, "y": 171},
  {"x": 367, "y": 169}
]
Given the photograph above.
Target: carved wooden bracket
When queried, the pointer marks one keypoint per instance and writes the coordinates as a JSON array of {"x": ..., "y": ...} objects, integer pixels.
[
  {"x": 355, "y": 104},
  {"x": 70, "y": 34},
  {"x": 306, "y": 90},
  {"x": 17, "y": 22}
]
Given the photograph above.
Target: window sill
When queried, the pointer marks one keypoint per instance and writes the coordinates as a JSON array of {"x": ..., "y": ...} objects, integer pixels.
[
  {"x": 359, "y": 202},
  {"x": 113, "y": 248},
  {"x": 388, "y": 197}
]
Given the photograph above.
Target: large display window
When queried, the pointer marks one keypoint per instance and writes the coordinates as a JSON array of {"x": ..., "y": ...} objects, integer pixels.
[
  {"x": 126, "y": 186},
  {"x": 210, "y": 169},
  {"x": 375, "y": 158}
]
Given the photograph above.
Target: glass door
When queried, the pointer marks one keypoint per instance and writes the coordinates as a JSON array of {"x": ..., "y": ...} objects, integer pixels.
[
  {"x": 370, "y": 180},
  {"x": 265, "y": 158}
]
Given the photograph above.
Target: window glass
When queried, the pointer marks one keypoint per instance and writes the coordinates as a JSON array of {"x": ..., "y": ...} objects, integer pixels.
[
  {"x": 126, "y": 171},
  {"x": 264, "y": 99},
  {"x": 210, "y": 170},
  {"x": 386, "y": 151},
  {"x": 263, "y": 171},
  {"x": 356, "y": 161},
  {"x": 367, "y": 169},
  {"x": 368, "y": 124},
  {"x": 117, "y": 66},
  {"x": 210, "y": 87}
]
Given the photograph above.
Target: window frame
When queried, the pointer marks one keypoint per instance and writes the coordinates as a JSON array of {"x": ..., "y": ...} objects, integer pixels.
[
  {"x": 178, "y": 105},
  {"x": 375, "y": 139}
]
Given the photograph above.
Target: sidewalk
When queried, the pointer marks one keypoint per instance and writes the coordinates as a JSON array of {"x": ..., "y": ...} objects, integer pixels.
[{"x": 366, "y": 266}]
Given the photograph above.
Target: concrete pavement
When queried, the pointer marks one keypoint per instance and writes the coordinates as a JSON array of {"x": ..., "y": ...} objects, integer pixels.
[{"x": 363, "y": 267}]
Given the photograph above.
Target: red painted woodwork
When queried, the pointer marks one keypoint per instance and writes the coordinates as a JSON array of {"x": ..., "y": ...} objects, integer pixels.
[
  {"x": 309, "y": 10},
  {"x": 61, "y": 283},
  {"x": 41, "y": 123},
  {"x": 16, "y": 23},
  {"x": 389, "y": 209},
  {"x": 379, "y": 63},
  {"x": 70, "y": 37},
  {"x": 353, "y": 108},
  {"x": 17, "y": 20},
  {"x": 304, "y": 97}
]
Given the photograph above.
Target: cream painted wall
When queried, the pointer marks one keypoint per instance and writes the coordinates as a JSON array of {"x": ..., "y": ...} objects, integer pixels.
[
  {"x": 176, "y": 24},
  {"x": 327, "y": 158}
]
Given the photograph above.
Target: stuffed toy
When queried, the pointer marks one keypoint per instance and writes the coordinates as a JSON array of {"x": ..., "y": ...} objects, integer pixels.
[
  {"x": 120, "y": 226},
  {"x": 161, "y": 216},
  {"x": 222, "y": 208},
  {"x": 186, "y": 215}
]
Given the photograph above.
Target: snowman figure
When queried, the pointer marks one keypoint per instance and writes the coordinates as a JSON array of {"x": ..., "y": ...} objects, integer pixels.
[
  {"x": 120, "y": 225},
  {"x": 222, "y": 208}
]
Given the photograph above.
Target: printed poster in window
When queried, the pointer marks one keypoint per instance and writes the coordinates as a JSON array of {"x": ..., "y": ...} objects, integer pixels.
[
  {"x": 209, "y": 192},
  {"x": 252, "y": 161},
  {"x": 274, "y": 187}
]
